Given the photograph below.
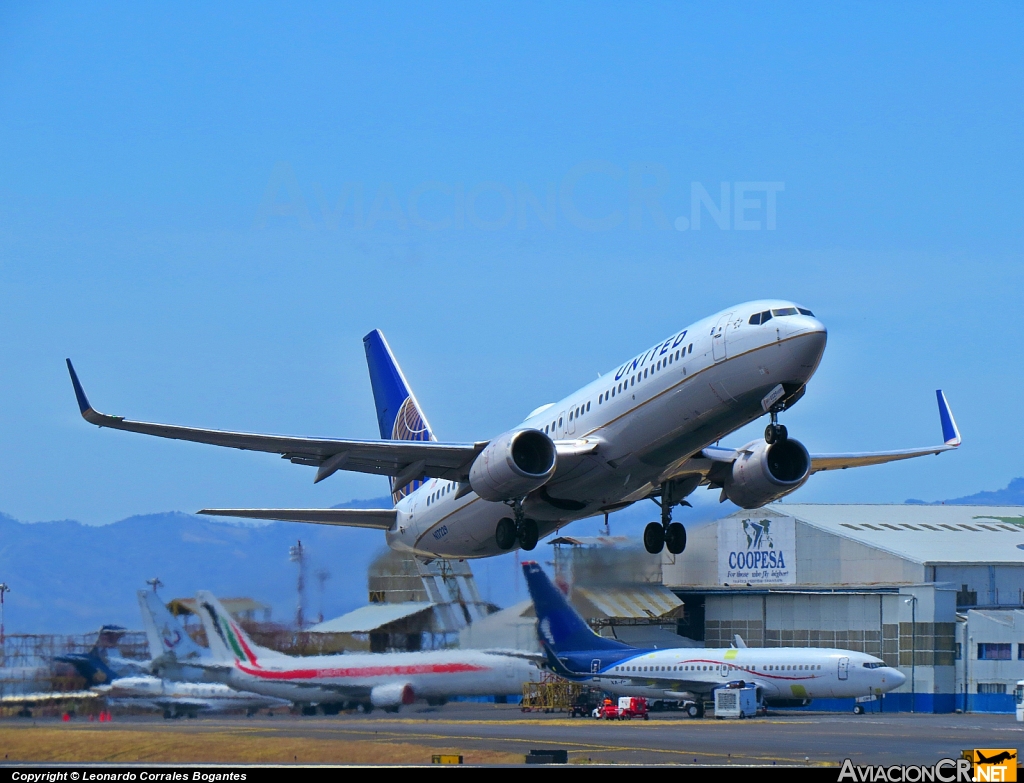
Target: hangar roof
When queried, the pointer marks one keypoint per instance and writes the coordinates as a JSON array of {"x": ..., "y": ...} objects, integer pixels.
[
  {"x": 371, "y": 617},
  {"x": 919, "y": 533},
  {"x": 637, "y": 602}
]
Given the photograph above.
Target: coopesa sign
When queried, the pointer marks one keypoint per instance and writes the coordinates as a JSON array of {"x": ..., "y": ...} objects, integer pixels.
[
  {"x": 757, "y": 560},
  {"x": 757, "y": 551}
]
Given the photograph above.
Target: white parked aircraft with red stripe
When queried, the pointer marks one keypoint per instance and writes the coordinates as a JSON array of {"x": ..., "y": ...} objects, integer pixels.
[{"x": 363, "y": 680}]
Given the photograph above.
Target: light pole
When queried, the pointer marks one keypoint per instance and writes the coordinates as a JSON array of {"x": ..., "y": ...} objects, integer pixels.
[
  {"x": 3, "y": 589},
  {"x": 913, "y": 649},
  {"x": 298, "y": 555}
]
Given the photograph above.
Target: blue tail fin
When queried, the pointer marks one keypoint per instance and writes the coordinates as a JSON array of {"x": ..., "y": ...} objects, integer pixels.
[
  {"x": 559, "y": 626},
  {"x": 398, "y": 413},
  {"x": 90, "y": 666}
]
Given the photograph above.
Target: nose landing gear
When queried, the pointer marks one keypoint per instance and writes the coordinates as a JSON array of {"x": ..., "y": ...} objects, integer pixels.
[
  {"x": 659, "y": 535},
  {"x": 775, "y": 432},
  {"x": 520, "y": 528}
]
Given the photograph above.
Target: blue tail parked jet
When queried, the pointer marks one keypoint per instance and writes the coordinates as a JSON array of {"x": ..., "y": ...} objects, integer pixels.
[{"x": 784, "y": 676}]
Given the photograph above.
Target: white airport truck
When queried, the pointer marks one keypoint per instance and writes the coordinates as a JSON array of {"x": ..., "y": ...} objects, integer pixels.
[{"x": 734, "y": 702}]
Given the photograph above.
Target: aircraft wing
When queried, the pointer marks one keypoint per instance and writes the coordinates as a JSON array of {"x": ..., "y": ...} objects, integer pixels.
[
  {"x": 378, "y": 518},
  {"x": 398, "y": 458},
  {"x": 707, "y": 461},
  {"x": 536, "y": 657},
  {"x": 950, "y": 434},
  {"x": 44, "y": 697}
]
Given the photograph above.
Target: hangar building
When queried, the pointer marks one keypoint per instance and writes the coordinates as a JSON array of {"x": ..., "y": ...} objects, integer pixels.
[{"x": 934, "y": 590}]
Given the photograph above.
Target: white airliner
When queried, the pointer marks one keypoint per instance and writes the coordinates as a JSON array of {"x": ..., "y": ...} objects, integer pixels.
[
  {"x": 127, "y": 683},
  {"x": 784, "y": 676},
  {"x": 363, "y": 680},
  {"x": 642, "y": 431}
]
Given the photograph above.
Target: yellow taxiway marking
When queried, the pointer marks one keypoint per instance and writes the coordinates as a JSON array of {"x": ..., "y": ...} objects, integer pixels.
[{"x": 578, "y": 747}]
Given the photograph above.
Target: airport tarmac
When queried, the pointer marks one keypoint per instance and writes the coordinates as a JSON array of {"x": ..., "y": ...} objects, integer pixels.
[{"x": 667, "y": 738}]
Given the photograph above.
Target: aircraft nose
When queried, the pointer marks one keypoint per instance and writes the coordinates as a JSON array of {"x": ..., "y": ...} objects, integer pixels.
[{"x": 894, "y": 678}]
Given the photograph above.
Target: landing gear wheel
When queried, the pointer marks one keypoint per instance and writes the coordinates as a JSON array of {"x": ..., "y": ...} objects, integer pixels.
[
  {"x": 858, "y": 710},
  {"x": 775, "y": 433},
  {"x": 528, "y": 534},
  {"x": 654, "y": 537},
  {"x": 693, "y": 711},
  {"x": 675, "y": 538},
  {"x": 505, "y": 533}
]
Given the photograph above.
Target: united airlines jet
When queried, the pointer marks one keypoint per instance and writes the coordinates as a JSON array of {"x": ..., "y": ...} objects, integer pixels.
[
  {"x": 645, "y": 430},
  {"x": 784, "y": 676}
]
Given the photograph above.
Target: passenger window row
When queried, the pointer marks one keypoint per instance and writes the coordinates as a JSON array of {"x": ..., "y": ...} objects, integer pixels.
[
  {"x": 433, "y": 497},
  {"x": 632, "y": 380},
  {"x": 718, "y": 667}
]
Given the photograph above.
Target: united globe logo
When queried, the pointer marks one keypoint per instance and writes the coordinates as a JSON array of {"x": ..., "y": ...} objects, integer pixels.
[{"x": 409, "y": 425}]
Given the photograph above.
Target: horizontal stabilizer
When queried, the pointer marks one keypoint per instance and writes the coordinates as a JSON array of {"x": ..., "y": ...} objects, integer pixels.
[{"x": 376, "y": 518}]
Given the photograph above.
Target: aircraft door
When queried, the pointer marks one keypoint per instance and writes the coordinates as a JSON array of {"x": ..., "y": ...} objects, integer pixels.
[
  {"x": 844, "y": 668},
  {"x": 726, "y": 669},
  {"x": 570, "y": 422},
  {"x": 718, "y": 338},
  {"x": 595, "y": 666}
]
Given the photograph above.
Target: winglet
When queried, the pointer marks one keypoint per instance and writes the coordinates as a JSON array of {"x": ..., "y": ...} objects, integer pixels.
[
  {"x": 950, "y": 433},
  {"x": 83, "y": 401}
]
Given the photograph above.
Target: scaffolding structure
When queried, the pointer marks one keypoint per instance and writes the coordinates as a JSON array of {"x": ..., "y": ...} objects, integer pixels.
[
  {"x": 553, "y": 694},
  {"x": 27, "y": 665}
]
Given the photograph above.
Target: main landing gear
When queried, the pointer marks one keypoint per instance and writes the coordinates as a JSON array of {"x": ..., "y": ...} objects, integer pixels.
[
  {"x": 517, "y": 528},
  {"x": 659, "y": 535}
]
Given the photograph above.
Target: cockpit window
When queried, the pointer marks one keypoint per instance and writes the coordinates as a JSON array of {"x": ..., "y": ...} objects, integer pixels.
[
  {"x": 766, "y": 316},
  {"x": 804, "y": 311},
  {"x": 755, "y": 319},
  {"x": 780, "y": 311},
  {"x": 874, "y": 665}
]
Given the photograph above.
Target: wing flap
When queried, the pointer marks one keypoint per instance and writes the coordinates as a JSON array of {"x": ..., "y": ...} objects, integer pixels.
[{"x": 375, "y": 518}]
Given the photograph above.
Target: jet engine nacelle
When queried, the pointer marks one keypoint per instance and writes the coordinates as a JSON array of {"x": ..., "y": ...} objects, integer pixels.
[
  {"x": 763, "y": 473},
  {"x": 392, "y": 695},
  {"x": 513, "y": 465}
]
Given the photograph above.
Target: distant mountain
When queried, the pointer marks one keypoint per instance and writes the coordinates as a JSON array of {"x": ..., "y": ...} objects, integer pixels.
[
  {"x": 66, "y": 577},
  {"x": 1011, "y": 495}
]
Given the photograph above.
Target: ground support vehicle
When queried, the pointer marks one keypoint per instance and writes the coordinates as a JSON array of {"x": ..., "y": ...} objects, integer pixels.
[
  {"x": 586, "y": 702},
  {"x": 736, "y": 701},
  {"x": 633, "y": 707}
]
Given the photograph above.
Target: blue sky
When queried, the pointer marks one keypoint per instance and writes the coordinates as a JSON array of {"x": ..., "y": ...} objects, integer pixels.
[{"x": 169, "y": 188}]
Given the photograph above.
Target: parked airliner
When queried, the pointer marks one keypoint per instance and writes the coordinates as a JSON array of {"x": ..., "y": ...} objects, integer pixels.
[
  {"x": 363, "y": 680},
  {"x": 128, "y": 687},
  {"x": 783, "y": 675},
  {"x": 644, "y": 430}
]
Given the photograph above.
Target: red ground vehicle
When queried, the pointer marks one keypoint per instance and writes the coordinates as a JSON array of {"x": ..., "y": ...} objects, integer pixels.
[
  {"x": 632, "y": 707},
  {"x": 607, "y": 709}
]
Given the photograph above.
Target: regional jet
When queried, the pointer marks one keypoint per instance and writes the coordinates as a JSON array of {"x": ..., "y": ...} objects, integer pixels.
[
  {"x": 125, "y": 687},
  {"x": 648, "y": 429},
  {"x": 358, "y": 680},
  {"x": 783, "y": 676}
]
